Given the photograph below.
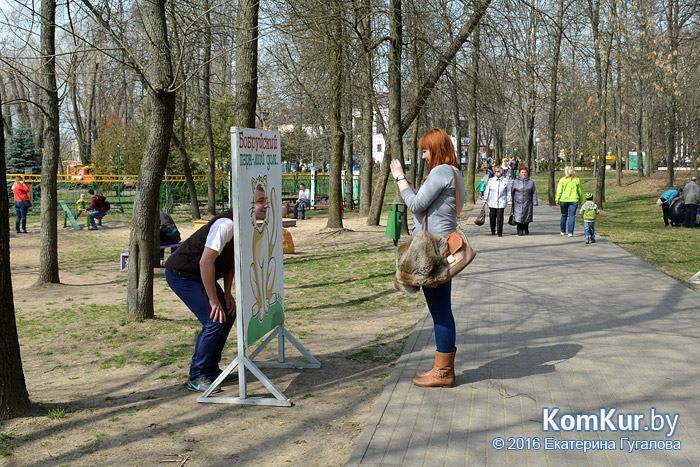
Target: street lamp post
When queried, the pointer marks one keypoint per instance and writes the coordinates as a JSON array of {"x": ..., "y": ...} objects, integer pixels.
[{"x": 119, "y": 183}]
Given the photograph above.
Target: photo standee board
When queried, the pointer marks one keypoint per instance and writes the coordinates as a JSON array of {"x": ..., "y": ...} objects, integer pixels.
[{"x": 259, "y": 280}]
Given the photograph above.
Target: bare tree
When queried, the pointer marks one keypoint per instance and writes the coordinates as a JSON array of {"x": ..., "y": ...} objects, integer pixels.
[
  {"x": 473, "y": 116},
  {"x": 337, "y": 70},
  {"x": 246, "y": 63},
  {"x": 48, "y": 252},
  {"x": 553, "y": 100},
  {"x": 206, "y": 112},
  {"x": 14, "y": 398}
]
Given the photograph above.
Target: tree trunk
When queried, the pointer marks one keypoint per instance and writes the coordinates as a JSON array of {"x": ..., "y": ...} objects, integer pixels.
[
  {"x": 416, "y": 165},
  {"x": 246, "y": 63},
  {"x": 553, "y": 101},
  {"x": 455, "y": 115},
  {"x": 185, "y": 161},
  {"x": 206, "y": 111},
  {"x": 672, "y": 88},
  {"x": 618, "y": 116},
  {"x": 37, "y": 115},
  {"x": 640, "y": 136},
  {"x": 91, "y": 131},
  {"x": 650, "y": 146},
  {"x": 425, "y": 90},
  {"x": 375, "y": 210},
  {"x": 349, "y": 149},
  {"x": 14, "y": 398},
  {"x": 145, "y": 216},
  {"x": 335, "y": 218},
  {"x": 473, "y": 118},
  {"x": 48, "y": 252},
  {"x": 77, "y": 117},
  {"x": 367, "y": 165},
  {"x": 445, "y": 59},
  {"x": 395, "y": 49},
  {"x": 7, "y": 119}
]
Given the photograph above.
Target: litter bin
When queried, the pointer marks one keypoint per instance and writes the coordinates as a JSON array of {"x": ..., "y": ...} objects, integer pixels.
[{"x": 395, "y": 222}]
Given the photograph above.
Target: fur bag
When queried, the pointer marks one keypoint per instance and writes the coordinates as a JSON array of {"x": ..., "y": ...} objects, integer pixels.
[{"x": 422, "y": 261}]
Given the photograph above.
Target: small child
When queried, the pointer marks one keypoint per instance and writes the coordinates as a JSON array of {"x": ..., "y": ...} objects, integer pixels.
[
  {"x": 589, "y": 211},
  {"x": 82, "y": 205}
]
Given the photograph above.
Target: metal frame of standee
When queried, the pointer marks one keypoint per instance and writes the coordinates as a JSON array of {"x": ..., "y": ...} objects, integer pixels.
[
  {"x": 695, "y": 279},
  {"x": 242, "y": 361}
]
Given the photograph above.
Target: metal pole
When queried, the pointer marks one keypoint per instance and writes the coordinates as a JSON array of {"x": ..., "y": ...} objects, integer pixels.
[{"x": 119, "y": 183}]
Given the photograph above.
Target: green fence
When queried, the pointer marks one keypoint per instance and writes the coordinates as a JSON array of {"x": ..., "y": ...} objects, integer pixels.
[
  {"x": 121, "y": 191},
  {"x": 174, "y": 194}
]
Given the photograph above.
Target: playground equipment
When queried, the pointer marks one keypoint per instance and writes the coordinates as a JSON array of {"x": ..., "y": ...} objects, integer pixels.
[
  {"x": 77, "y": 172},
  {"x": 68, "y": 216}
]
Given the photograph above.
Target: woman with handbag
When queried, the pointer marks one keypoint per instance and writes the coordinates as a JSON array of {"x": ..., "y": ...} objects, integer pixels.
[
  {"x": 524, "y": 196},
  {"x": 434, "y": 208},
  {"x": 20, "y": 191},
  {"x": 496, "y": 196}
]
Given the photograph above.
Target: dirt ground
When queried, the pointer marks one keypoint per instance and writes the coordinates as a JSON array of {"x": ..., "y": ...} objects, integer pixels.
[{"x": 139, "y": 414}]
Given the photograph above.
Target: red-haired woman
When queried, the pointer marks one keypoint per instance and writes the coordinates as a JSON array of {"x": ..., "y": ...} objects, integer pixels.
[
  {"x": 524, "y": 196},
  {"x": 436, "y": 201}
]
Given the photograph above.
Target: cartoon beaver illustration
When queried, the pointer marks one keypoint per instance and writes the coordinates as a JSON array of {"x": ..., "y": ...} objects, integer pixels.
[{"x": 264, "y": 266}]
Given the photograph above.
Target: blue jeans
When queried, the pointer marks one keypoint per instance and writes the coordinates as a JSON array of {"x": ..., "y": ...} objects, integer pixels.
[
  {"x": 589, "y": 230},
  {"x": 304, "y": 204},
  {"x": 21, "y": 210},
  {"x": 96, "y": 214},
  {"x": 568, "y": 210},
  {"x": 212, "y": 337},
  {"x": 439, "y": 300}
]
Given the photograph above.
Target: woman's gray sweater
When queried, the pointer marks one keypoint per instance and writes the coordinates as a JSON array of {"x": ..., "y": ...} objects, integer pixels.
[{"x": 436, "y": 196}]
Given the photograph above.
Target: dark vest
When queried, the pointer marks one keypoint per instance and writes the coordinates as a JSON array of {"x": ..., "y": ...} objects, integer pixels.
[{"x": 185, "y": 260}]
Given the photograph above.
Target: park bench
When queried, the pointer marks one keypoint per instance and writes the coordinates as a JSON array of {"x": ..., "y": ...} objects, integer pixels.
[
  {"x": 318, "y": 206},
  {"x": 124, "y": 258}
]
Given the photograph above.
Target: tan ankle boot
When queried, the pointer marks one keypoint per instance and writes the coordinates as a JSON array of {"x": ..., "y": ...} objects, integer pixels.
[
  {"x": 423, "y": 374},
  {"x": 442, "y": 374}
]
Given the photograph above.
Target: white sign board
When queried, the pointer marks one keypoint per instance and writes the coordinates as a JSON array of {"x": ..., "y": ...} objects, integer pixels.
[{"x": 256, "y": 159}]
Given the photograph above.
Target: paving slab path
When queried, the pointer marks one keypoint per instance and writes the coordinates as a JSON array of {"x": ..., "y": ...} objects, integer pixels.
[{"x": 546, "y": 322}]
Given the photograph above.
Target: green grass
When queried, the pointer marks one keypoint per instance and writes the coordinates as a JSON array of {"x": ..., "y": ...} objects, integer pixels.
[
  {"x": 56, "y": 413},
  {"x": 631, "y": 219}
]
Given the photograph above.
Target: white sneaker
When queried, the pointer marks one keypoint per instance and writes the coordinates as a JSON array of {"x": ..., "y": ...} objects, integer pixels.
[
  {"x": 570, "y": 235},
  {"x": 561, "y": 233}
]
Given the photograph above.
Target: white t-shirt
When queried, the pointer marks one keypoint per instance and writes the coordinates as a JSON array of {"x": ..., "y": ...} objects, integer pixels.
[
  {"x": 305, "y": 194},
  {"x": 220, "y": 234}
]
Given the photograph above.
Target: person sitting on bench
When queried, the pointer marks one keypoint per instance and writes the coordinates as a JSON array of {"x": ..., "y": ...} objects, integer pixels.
[
  {"x": 304, "y": 201},
  {"x": 97, "y": 209}
]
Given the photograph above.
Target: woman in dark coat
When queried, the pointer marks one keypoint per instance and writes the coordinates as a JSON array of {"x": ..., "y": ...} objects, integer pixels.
[{"x": 524, "y": 196}]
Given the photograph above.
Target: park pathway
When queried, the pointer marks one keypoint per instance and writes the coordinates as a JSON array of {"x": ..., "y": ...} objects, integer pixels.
[{"x": 545, "y": 321}]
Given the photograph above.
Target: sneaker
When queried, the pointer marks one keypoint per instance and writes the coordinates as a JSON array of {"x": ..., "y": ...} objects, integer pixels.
[
  {"x": 200, "y": 384},
  {"x": 587, "y": 242},
  {"x": 570, "y": 235},
  {"x": 233, "y": 376},
  {"x": 562, "y": 233},
  {"x": 592, "y": 240}
]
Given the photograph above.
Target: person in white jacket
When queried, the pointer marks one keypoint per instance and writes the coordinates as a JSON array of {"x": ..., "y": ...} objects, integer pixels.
[{"x": 497, "y": 195}]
